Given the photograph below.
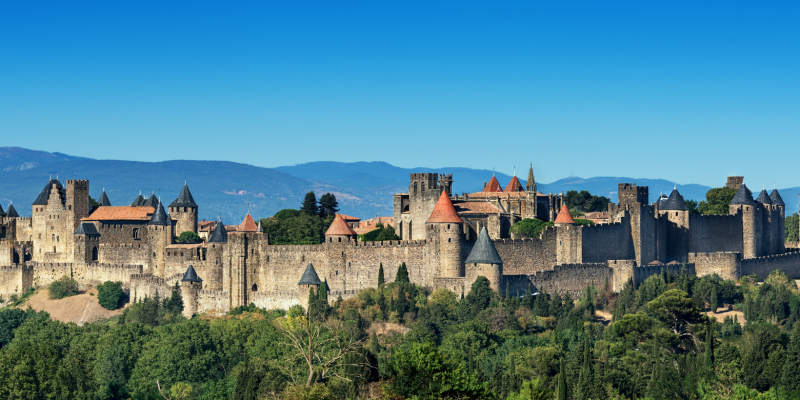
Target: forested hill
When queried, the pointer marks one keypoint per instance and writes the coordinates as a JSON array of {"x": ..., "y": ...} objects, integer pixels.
[{"x": 363, "y": 189}]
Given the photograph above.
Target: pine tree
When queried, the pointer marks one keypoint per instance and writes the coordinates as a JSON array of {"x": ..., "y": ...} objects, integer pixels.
[
  {"x": 714, "y": 300},
  {"x": 328, "y": 206},
  {"x": 309, "y": 206},
  {"x": 599, "y": 379},
  {"x": 791, "y": 368},
  {"x": 381, "y": 280},
  {"x": 507, "y": 295},
  {"x": 562, "y": 382}
]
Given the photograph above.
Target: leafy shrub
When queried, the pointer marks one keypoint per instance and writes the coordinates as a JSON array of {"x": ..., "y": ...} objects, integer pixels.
[
  {"x": 109, "y": 295},
  {"x": 530, "y": 228},
  {"x": 63, "y": 287},
  {"x": 188, "y": 237}
]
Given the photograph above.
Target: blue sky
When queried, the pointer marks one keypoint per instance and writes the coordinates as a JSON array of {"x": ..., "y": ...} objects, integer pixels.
[{"x": 686, "y": 91}]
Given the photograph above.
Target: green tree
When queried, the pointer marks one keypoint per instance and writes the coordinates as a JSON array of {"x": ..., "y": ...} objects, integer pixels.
[
  {"x": 188, "y": 237},
  {"x": 585, "y": 202},
  {"x": 64, "y": 287},
  {"x": 323, "y": 292},
  {"x": 709, "y": 352},
  {"x": 792, "y": 228},
  {"x": 328, "y": 206},
  {"x": 309, "y": 206},
  {"x": 530, "y": 228},
  {"x": 381, "y": 279},
  {"x": 692, "y": 206},
  {"x": 586, "y": 385},
  {"x": 562, "y": 381},
  {"x": 791, "y": 369},
  {"x": 717, "y": 201},
  {"x": 109, "y": 294},
  {"x": 714, "y": 300},
  {"x": 174, "y": 303},
  {"x": 402, "y": 274}
]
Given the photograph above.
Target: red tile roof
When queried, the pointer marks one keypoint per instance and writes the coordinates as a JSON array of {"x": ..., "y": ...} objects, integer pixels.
[
  {"x": 476, "y": 207},
  {"x": 248, "y": 225},
  {"x": 564, "y": 217},
  {"x": 121, "y": 213},
  {"x": 514, "y": 185},
  {"x": 493, "y": 186},
  {"x": 501, "y": 194},
  {"x": 349, "y": 218},
  {"x": 444, "y": 211},
  {"x": 340, "y": 227}
]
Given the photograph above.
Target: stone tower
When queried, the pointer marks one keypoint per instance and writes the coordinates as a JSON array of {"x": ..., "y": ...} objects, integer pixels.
[
  {"x": 215, "y": 256},
  {"x": 77, "y": 207},
  {"x": 423, "y": 192},
  {"x": 569, "y": 238},
  {"x": 309, "y": 280},
  {"x": 446, "y": 183},
  {"x": 751, "y": 221},
  {"x": 159, "y": 236},
  {"x": 769, "y": 215},
  {"x": 184, "y": 209},
  {"x": 86, "y": 244},
  {"x": 483, "y": 260},
  {"x": 339, "y": 231},
  {"x": 677, "y": 229},
  {"x": 191, "y": 284},
  {"x": 444, "y": 228},
  {"x": 777, "y": 202}
]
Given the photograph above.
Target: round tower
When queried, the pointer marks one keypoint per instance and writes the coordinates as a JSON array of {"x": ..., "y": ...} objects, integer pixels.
[
  {"x": 751, "y": 221},
  {"x": 215, "y": 252},
  {"x": 677, "y": 213},
  {"x": 191, "y": 284},
  {"x": 483, "y": 260},
  {"x": 184, "y": 209},
  {"x": 159, "y": 236},
  {"x": 445, "y": 229},
  {"x": 339, "y": 231}
]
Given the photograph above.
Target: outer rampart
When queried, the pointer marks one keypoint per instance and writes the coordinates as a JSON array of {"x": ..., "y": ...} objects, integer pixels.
[
  {"x": 726, "y": 265},
  {"x": 15, "y": 280},
  {"x": 526, "y": 256},
  {"x": 607, "y": 242},
  {"x": 715, "y": 233},
  {"x": 566, "y": 278},
  {"x": 762, "y": 266}
]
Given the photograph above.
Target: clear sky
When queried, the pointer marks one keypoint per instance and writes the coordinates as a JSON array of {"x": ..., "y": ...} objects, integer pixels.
[{"x": 686, "y": 91}]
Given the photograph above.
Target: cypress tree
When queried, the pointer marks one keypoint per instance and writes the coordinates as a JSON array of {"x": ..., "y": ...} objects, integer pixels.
[
  {"x": 507, "y": 295},
  {"x": 374, "y": 346},
  {"x": 381, "y": 280},
  {"x": 709, "y": 352},
  {"x": 714, "y": 300},
  {"x": 586, "y": 379},
  {"x": 402, "y": 274},
  {"x": 323, "y": 292},
  {"x": 310, "y": 204},
  {"x": 599, "y": 378},
  {"x": 562, "y": 382},
  {"x": 312, "y": 298},
  {"x": 791, "y": 368}
]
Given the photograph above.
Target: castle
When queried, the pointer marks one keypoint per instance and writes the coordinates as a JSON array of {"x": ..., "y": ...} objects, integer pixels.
[{"x": 447, "y": 241}]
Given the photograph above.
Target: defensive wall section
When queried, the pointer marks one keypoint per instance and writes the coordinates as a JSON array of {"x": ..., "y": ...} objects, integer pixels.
[
  {"x": 85, "y": 274},
  {"x": 565, "y": 278},
  {"x": 715, "y": 233},
  {"x": 15, "y": 279},
  {"x": 607, "y": 242},
  {"x": 646, "y": 271},
  {"x": 526, "y": 256},
  {"x": 762, "y": 266},
  {"x": 727, "y": 265}
]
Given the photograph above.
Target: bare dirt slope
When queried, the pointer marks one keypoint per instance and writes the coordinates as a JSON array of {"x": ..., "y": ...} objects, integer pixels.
[{"x": 80, "y": 309}]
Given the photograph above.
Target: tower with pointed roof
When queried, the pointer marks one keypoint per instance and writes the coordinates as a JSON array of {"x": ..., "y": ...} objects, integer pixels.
[
  {"x": 216, "y": 256},
  {"x": 339, "y": 231},
  {"x": 445, "y": 231},
  {"x": 185, "y": 210},
  {"x": 159, "y": 236},
  {"x": 675, "y": 214},
  {"x": 86, "y": 245},
  {"x": 483, "y": 260},
  {"x": 752, "y": 220},
  {"x": 191, "y": 285},
  {"x": 104, "y": 202}
]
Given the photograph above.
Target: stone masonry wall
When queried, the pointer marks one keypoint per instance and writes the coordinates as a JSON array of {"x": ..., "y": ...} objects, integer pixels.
[
  {"x": 646, "y": 271},
  {"x": 607, "y": 242},
  {"x": 567, "y": 278},
  {"x": 15, "y": 280},
  {"x": 727, "y": 265},
  {"x": 762, "y": 266},
  {"x": 715, "y": 233},
  {"x": 526, "y": 256}
]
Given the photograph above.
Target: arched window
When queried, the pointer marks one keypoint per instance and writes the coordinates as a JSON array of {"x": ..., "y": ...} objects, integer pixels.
[
  {"x": 254, "y": 288},
  {"x": 136, "y": 234},
  {"x": 27, "y": 256},
  {"x": 94, "y": 253},
  {"x": 415, "y": 188},
  {"x": 16, "y": 257}
]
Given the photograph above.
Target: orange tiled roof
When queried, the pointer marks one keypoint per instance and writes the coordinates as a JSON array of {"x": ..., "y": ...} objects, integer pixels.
[
  {"x": 444, "y": 211},
  {"x": 514, "y": 186},
  {"x": 248, "y": 225},
  {"x": 476, "y": 207},
  {"x": 184, "y": 246},
  {"x": 339, "y": 227},
  {"x": 121, "y": 213},
  {"x": 493, "y": 186},
  {"x": 564, "y": 217},
  {"x": 501, "y": 194},
  {"x": 349, "y": 218}
]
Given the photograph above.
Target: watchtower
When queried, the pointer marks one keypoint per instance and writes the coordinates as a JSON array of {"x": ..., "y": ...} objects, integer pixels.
[{"x": 185, "y": 211}]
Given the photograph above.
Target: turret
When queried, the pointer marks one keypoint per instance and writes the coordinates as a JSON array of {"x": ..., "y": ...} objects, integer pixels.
[
  {"x": 138, "y": 201},
  {"x": 12, "y": 212},
  {"x": 191, "y": 284},
  {"x": 339, "y": 231},
  {"x": 677, "y": 214},
  {"x": 215, "y": 252},
  {"x": 483, "y": 260},
  {"x": 104, "y": 202},
  {"x": 531, "y": 200},
  {"x": 445, "y": 228},
  {"x": 743, "y": 203},
  {"x": 184, "y": 209},
  {"x": 86, "y": 245},
  {"x": 159, "y": 235}
]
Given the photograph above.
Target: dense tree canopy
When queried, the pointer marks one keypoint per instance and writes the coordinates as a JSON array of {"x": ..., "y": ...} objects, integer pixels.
[
  {"x": 585, "y": 202},
  {"x": 717, "y": 201}
]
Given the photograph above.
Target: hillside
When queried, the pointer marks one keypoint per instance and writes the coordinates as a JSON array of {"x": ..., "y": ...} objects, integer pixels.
[{"x": 225, "y": 188}]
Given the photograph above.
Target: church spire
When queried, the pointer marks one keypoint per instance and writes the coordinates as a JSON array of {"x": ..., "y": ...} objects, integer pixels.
[{"x": 530, "y": 186}]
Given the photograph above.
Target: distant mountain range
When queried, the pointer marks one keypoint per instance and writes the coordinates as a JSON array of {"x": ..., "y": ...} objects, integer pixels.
[{"x": 227, "y": 189}]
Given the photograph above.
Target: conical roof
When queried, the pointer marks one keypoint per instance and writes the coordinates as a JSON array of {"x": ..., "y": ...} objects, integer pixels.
[
  {"x": 674, "y": 202},
  {"x": 763, "y": 197},
  {"x": 12, "y": 212},
  {"x": 88, "y": 229},
  {"x": 483, "y": 252},
  {"x": 444, "y": 211},
  {"x": 743, "y": 197},
  {"x": 564, "y": 217},
  {"x": 493, "y": 186},
  {"x": 248, "y": 225},
  {"x": 191, "y": 275},
  {"x": 159, "y": 216},
  {"x": 185, "y": 199},
  {"x": 104, "y": 200},
  {"x": 309, "y": 276},
  {"x": 531, "y": 181},
  {"x": 340, "y": 227},
  {"x": 2, "y": 213},
  {"x": 41, "y": 199},
  {"x": 514, "y": 185},
  {"x": 220, "y": 235},
  {"x": 138, "y": 201},
  {"x": 259, "y": 229},
  {"x": 661, "y": 200},
  {"x": 776, "y": 198},
  {"x": 152, "y": 201}
]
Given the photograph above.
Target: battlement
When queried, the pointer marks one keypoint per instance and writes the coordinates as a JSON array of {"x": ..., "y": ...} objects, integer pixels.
[
  {"x": 640, "y": 273},
  {"x": 121, "y": 245},
  {"x": 16, "y": 268},
  {"x": 78, "y": 183},
  {"x": 734, "y": 182}
]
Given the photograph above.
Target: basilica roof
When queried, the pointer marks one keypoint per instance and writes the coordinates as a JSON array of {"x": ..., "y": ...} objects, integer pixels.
[
  {"x": 493, "y": 186},
  {"x": 476, "y": 207},
  {"x": 514, "y": 185}
]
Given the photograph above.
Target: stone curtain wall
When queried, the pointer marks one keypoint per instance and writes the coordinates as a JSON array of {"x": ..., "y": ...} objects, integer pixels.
[
  {"x": 146, "y": 285},
  {"x": 15, "y": 280},
  {"x": 95, "y": 274},
  {"x": 126, "y": 253},
  {"x": 607, "y": 242},
  {"x": 526, "y": 256},
  {"x": 646, "y": 271},
  {"x": 727, "y": 265},
  {"x": 566, "y": 278},
  {"x": 715, "y": 233},
  {"x": 212, "y": 301},
  {"x": 762, "y": 266},
  {"x": 47, "y": 273}
]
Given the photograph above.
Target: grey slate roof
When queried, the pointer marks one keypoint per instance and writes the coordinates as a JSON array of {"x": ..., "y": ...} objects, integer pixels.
[
  {"x": 12, "y": 212},
  {"x": 185, "y": 199},
  {"x": 2, "y": 213},
  {"x": 87, "y": 229},
  {"x": 152, "y": 201},
  {"x": 191, "y": 275},
  {"x": 763, "y": 197},
  {"x": 41, "y": 200},
  {"x": 259, "y": 229},
  {"x": 137, "y": 201},
  {"x": 104, "y": 200},
  {"x": 743, "y": 197},
  {"x": 483, "y": 252},
  {"x": 661, "y": 200},
  {"x": 674, "y": 202},
  {"x": 160, "y": 216},
  {"x": 776, "y": 198},
  {"x": 220, "y": 235},
  {"x": 309, "y": 276}
]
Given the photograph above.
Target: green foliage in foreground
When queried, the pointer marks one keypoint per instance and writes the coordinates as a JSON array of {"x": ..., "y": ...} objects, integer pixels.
[
  {"x": 406, "y": 342},
  {"x": 717, "y": 201},
  {"x": 64, "y": 287}
]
